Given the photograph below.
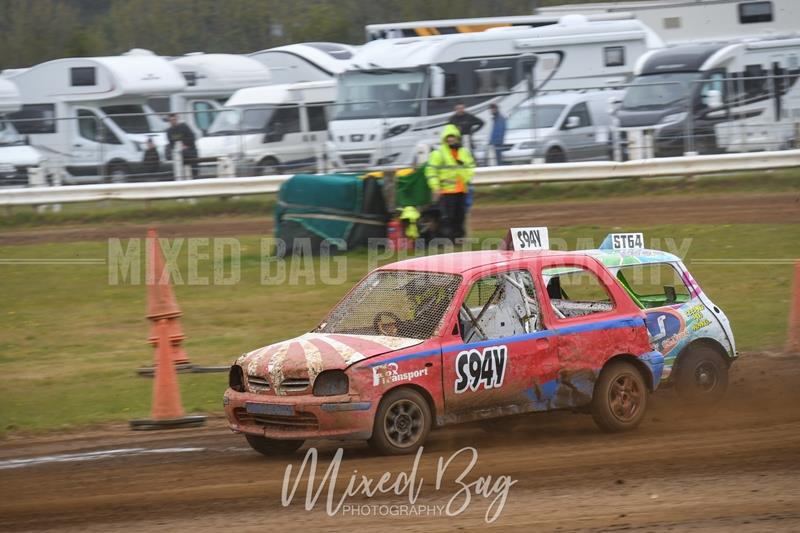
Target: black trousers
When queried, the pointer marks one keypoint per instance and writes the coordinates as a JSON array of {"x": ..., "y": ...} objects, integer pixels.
[{"x": 454, "y": 210}]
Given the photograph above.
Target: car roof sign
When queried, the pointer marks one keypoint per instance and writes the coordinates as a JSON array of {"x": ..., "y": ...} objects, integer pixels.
[
  {"x": 623, "y": 241},
  {"x": 527, "y": 239}
]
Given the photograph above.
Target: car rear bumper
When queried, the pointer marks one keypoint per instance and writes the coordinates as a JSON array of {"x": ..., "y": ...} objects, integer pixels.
[{"x": 299, "y": 417}]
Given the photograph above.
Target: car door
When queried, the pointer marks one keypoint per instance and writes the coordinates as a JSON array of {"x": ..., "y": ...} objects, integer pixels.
[
  {"x": 577, "y": 133},
  {"x": 93, "y": 143},
  {"x": 497, "y": 359},
  {"x": 592, "y": 322},
  {"x": 285, "y": 136},
  {"x": 317, "y": 135}
]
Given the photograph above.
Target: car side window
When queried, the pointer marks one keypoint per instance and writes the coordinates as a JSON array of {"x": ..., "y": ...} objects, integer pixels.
[
  {"x": 653, "y": 285},
  {"x": 92, "y": 128},
  {"x": 581, "y": 111},
  {"x": 499, "y": 305},
  {"x": 575, "y": 291},
  {"x": 317, "y": 117},
  {"x": 288, "y": 118}
]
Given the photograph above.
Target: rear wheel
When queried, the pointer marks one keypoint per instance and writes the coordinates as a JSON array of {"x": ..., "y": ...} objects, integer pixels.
[
  {"x": 555, "y": 155},
  {"x": 620, "y": 398},
  {"x": 273, "y": 447},
  {"x": 702, "y": 375},
  {"x": 402, "y": 423}
]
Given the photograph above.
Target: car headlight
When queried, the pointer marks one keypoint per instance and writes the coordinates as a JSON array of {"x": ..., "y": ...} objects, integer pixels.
[
  {"x": 674, "y": 117},
  {"x": 396, "y": 130},
  {"x": 236, "y": 378},
  {"x": 528, "y": 145},
  {"x": 331, "y": 383}
]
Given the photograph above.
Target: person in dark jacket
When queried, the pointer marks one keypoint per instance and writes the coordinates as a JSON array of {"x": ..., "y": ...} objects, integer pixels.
[
  {"x": 151, "y": 162},
  {"x": 466, "y": 123},
  {"x": 180, "y": 132},
  {"x": 498, "y": 134}
]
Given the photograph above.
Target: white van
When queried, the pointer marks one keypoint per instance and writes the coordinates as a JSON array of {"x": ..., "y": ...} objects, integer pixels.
[
  {"x": 89, "y": 115},
  {"x": 271, "y": 130},
  {"x": 17, "y": 159},
  {"x": 560, "y": 127}
]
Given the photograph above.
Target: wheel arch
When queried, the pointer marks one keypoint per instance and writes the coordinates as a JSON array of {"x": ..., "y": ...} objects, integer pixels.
[
  {"x": 422, "y": 391},
  {"x": 641, "y": 366},
  {"x": 709, "y": 342}
]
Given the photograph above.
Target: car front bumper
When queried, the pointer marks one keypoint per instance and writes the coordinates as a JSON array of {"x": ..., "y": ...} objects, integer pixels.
[{"x": 299, "y": 416}]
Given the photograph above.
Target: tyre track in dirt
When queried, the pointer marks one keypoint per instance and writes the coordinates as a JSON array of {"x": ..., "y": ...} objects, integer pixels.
[
  {"x": 733, "y": 208},
  {"x": 733, "y": 467}
]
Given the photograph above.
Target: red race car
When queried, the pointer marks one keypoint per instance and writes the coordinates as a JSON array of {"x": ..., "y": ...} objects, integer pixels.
[{"x": 451, "y": 338}]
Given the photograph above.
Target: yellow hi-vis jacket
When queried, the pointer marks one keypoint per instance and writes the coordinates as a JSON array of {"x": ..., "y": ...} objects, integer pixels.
[{"x": 444, "y": 174}]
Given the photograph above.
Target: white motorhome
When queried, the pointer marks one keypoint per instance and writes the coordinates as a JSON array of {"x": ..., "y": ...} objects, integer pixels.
[
  {"x": 733, "y": 96},
  {"x": 210, "y": 80},
  {"x": 400, "y": 92},
  {"x": 89, "y": 115},
  {"x": 16, "y": 157},
  {"x": 301, "y": 62},
  {"x": 272, "y": 129},
  {"x": 690, "y": 21}
]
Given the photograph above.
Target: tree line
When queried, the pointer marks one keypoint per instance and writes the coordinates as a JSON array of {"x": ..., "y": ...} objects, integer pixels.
[{"x": 33, "y": 31}]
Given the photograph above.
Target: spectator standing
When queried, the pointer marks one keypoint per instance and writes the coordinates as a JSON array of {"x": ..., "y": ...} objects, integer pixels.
[
  {"x": 466, "y": 123},
  {"x": 498, "y": 135},
  {"x": 151, "y": 161},
  {"x": 180, "y": 132},
  {"x": 449, "y": 171}
]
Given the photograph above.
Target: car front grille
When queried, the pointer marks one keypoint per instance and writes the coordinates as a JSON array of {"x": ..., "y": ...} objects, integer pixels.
[
  {"x": 356, "y": 159},
  {"x": 291, "y": 385},
  {"x": 299, "y": 421},
  {"x": 257, "y": 384}
]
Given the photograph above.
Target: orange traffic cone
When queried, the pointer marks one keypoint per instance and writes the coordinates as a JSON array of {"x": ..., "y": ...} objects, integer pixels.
[
  {"x": 167, "y": 411},
  {"x": 793, "y": 342},
  {"x": 161, "y": 303}
]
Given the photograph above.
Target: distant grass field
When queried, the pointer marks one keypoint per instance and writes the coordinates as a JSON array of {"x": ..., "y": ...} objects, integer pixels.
[
  {"x": 71, "y": 341},
  {"x": 261, "y": 205}
]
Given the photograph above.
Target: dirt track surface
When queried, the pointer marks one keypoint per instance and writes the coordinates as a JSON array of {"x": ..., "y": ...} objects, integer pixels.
[
  {"x": 736, "y": 467},
  {"x": 732, "y": 208}
]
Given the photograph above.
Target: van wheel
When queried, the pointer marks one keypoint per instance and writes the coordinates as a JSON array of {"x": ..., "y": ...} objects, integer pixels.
[
  {"x": 267, "y": 167},
  {"x": 701, "y": 375},
  {"x": 402, "y": 423},
  {"x": 273, "y": 447},
  {"x": 620, "y": 398},
  {"x": 117, "y": 173},
  {"x": 555, "y": 155}
]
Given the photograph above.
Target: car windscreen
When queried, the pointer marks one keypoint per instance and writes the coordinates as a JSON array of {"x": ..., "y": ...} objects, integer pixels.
[
  {"x": 394, "y": 303},
  {"x": 242, "y": 120},
  {"x": 658, "y": 90},
  {"x": 530, "y": 117},
  {"x": 130, "y": 118}
]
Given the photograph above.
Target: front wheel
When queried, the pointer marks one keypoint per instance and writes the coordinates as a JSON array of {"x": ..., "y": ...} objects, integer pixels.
[
  {"x": 701, "y": 376},
  {"x": 620, "y": 398},
  {"x": 555, "y": 155},
  {"x": 402, "y": 423},
  {"x": 267, "y": 167},
  {"x": 273, "y": 447}
]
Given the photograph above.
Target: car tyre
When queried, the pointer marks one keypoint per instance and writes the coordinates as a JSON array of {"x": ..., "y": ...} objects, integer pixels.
[
  {"x": 117, "y": 173},
  {"x": 555, "y": 155},
  {"x": 273, "y": 447},
  {"x": 267, "y": 167},
  {"x": 620, "y": 398},
  {"x": 701, "y": 376},
  {"x": 402, "y": 423}
]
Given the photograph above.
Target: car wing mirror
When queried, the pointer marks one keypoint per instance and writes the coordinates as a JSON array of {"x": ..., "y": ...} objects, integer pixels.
[{"x": 572, "y": 122}]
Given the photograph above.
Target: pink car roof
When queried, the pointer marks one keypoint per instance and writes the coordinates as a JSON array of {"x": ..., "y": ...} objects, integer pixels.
[{"x": 460, "y": 262}]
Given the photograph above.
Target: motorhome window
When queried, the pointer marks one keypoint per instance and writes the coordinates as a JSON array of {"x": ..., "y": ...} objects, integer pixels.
[
  {"x": 204, "y": 114},
  {"x": 82, "y": 76},
  {"x": 317, "y": 117},
  {"x": 542, "y": 116},
  {"x": 34, "y": 118},
  {"x": 449, "y": 99},
  {"x": 379, "y": 94},
  {"x": 159, "y": 104},
  {"x": 614, "y": 56},
  {"x": 130, "y": 118},
  {"x": 658, "y": 90},
  {"x": 751, "y": 12},
  {"x": 285, "y": 120},
  {"x": 91, "y": 127},
  {"x": 755, "y": 81},
  {"x": 581, "y": 111},
  {"x": 492, "y": 80}
]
